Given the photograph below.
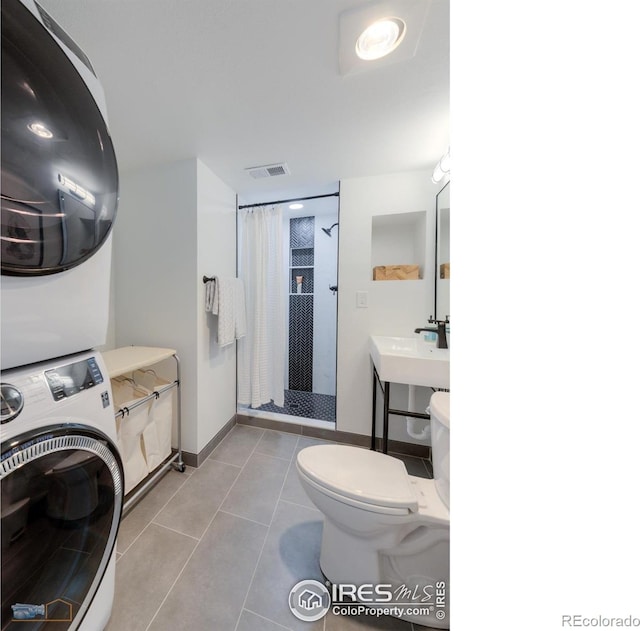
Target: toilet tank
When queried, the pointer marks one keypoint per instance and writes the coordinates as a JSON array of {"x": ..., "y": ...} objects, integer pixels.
[{"x": 440, "y": 443}]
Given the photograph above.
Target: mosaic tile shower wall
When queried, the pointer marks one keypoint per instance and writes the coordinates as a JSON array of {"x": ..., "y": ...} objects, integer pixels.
[
  {"x": 301, "y": 233},
  {"x": 301, "y": 230}
]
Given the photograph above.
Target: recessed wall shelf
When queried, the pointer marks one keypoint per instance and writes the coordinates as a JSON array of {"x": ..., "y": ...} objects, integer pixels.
[
  {"x": 306, "y": 273},
  {"x": 399, "y": 239}
]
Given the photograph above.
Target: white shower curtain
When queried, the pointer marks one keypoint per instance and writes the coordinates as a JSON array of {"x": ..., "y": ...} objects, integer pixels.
[{"x": 261, "y": 352}]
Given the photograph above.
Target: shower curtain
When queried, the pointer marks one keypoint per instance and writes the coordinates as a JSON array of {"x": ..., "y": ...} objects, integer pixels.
[{"x": 261, "y": 352}]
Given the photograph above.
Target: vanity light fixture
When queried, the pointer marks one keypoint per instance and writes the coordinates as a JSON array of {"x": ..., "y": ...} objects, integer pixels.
[
  {"x": 296, "y": 206},
  {"x": 40, "y": 130},
  {"x": 442, "y": 168},
  {"x": 380, "y": 38}
]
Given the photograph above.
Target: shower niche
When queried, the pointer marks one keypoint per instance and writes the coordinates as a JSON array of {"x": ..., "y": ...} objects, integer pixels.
[{"x": 301, "y": 269}]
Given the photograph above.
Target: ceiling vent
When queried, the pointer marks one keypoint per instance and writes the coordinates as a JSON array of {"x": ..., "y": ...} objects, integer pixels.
[{"x": 268, "y": 170}]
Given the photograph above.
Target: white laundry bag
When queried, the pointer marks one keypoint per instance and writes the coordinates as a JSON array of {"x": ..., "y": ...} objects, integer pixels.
[
  {"x": 130, "y": 428},
  {"x": 156, "y": 437}
]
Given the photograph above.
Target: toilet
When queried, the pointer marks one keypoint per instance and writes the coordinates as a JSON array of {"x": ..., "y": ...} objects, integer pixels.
[{"x": 382, "y": 525}]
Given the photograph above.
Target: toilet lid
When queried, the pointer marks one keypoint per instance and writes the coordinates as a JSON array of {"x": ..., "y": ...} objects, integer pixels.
[{"x": 361, "y": 474}]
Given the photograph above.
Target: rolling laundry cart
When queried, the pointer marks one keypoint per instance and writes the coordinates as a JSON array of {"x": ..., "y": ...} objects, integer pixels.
[{"x": 145, "y": 417}]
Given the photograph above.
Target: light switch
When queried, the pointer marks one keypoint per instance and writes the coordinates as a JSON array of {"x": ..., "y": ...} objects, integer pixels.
[{"x": 362, "y": 299}]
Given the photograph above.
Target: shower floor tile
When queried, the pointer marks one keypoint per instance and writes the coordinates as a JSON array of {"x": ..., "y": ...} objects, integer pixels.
[{"x": 305, "y": 404}]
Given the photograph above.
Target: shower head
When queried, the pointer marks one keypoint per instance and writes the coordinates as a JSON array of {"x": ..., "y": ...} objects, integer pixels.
[{"x": 327, "y": 231}]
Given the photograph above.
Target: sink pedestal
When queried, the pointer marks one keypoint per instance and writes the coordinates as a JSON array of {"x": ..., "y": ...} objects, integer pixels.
[
  {"x": 385, "y": 386},
  {"x": 407, "y": 360}
]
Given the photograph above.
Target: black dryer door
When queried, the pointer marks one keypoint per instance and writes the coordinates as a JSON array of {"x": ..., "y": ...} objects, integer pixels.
[{"x": 59, "y": 171}]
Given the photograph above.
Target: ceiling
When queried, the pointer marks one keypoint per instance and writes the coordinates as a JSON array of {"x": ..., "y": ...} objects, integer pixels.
[{"x": 242, "y": 83}]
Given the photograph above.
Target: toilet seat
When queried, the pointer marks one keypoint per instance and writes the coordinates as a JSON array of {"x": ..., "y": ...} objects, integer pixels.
[
  {"x": 372, "y": 508},
  {"x": 359, "y": 477}
]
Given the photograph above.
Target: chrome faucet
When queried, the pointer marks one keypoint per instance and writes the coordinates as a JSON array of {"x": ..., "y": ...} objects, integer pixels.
[{"x": 440, "y": 330}]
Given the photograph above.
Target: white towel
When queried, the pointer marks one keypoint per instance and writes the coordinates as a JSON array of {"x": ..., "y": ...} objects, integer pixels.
[
  {"x": 209, "y": 294},
  {"x": 224, "y": 297}
]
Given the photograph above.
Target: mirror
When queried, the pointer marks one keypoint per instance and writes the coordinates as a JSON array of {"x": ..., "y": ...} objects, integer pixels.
[{"x": 443, "y": 270}]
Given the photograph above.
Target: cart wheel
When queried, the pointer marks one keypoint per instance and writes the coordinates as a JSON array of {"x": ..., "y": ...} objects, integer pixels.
[{"x": 182, "y": 467}]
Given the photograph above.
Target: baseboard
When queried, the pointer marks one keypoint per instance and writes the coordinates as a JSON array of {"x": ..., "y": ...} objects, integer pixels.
[
  {"x": 406, "y": 449},
  {"x": 349, "y": 438},
  {"x": 195, "y": 460}
]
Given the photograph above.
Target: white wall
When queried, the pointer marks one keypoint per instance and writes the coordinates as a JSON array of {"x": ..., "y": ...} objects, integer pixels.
[
  {"x": 165, "y": 236},
  {"x": 395, "y": 307},
  {"x": 111, "y": 327},
  {"x": 216, "y": 244},
  {"x": 155, "y": 264}
]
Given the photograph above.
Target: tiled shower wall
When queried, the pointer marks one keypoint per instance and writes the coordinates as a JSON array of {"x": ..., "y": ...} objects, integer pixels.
[{"x": 301, "y": 245}]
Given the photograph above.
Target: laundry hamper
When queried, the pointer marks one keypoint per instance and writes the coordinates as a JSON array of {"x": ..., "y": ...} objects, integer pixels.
[
  {"x": 130, "y": 428},
  {"x": 156, "y": 437}
]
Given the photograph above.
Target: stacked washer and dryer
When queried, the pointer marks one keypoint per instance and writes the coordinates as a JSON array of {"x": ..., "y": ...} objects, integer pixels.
[{"x": 61, "y": 474}]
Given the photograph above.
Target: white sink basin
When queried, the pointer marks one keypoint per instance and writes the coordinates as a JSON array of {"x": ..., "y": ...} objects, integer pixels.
[{"x": 410, "y": 360}]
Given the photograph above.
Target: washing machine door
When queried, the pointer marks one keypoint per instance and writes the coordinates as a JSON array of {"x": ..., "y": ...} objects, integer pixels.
[
  {"x": 62, "y": 490},
  {"x": 59, "y": 171}
]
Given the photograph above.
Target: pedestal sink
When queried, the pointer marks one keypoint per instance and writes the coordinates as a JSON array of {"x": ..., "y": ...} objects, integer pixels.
[{"x": 410, "y": 360}]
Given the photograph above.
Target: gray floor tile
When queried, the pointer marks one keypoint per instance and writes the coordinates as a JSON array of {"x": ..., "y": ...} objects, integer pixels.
[
  {"x": 237, "y": 445},
  {"x": 137, "y": 519},
  {"x": 305, "y": 441},
  {"x": 251, "y": 622},
  {"x": 144, "y": 576},
  {"x": 191, "y": 509},
  {"x": 292, "y": 490},
  {"x": 290, "y": 554},
  {"x": 255, "y": 493},
  {"x": 415, "y": 466},
  {"x": 210, "y": 592},
  {"x": 363, "y": 621},
  {"x": 277, "y": 444}
]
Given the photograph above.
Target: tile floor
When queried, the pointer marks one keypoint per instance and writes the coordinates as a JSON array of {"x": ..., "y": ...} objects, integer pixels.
[
  {"x": 306, "y": 404},
  {"x": 219, "y": 547}
]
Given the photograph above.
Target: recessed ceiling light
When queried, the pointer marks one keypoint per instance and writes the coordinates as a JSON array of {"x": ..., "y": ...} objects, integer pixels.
[
  {"x": 380, "y": 38},
  {"x": 40, "y": 130},
  {"x": 296, "y": 206}
]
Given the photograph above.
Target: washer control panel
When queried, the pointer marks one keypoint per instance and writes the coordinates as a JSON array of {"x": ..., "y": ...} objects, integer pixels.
[{"x": 65, "y": 381}]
